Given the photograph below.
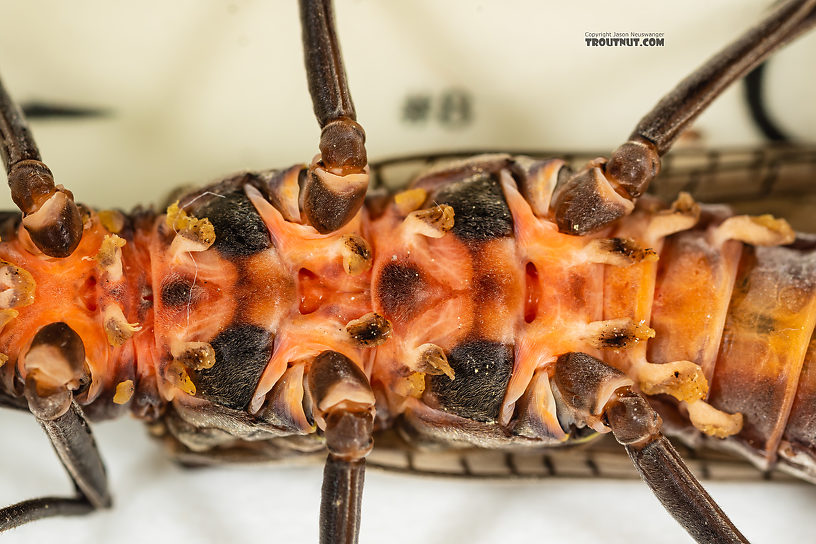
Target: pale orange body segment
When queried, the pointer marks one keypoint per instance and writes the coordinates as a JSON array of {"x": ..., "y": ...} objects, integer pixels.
[
  {"x": 78, "y": 291},
  {"x": 694, "y": 285},
  {"x": 768, "y": 328},
  {"x": 325, "y": 299},
  {"x": 568, "y": 296}
]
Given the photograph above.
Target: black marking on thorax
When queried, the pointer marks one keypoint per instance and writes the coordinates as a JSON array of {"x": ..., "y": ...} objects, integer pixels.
[
  {"x": 177, "y": 292},
  {"x": 239, "y": 229},
  {"x": 482, "y": 371},
  {"x": 480, "y": 210},
  {"x": 241, "y": 355},
  {"x": 399, "y": 285}
]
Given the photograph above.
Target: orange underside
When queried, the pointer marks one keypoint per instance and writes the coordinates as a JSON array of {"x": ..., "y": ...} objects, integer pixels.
[{"x": 536, "y": 291}]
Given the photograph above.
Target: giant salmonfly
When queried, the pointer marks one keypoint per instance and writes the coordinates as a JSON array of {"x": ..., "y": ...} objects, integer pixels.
[{"x": 193, "y": 225}]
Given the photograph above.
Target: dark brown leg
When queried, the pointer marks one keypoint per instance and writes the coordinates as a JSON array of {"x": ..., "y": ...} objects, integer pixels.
[
  {"x": 602, "y": 193},
  {"x": 347, "y": 425},
  {"x": 637, "y": 426},
  {"x": 336, "y": 184},
  {"x": 75, "y": 446},
  {"x": 597, "y": 393},
  {"x": 342, "y": 495},
  {"x": 34, "y": 509},
  {"x": 49, "y": 213},
  {"x": 63, "y": 421}
]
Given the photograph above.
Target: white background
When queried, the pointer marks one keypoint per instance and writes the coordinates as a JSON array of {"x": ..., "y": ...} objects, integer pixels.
[{"x": 196, "y": 90}]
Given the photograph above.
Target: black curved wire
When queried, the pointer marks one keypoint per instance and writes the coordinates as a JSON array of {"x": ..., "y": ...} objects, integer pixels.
[
  {"x": 755, "y": 96},
  {"x": 48, "y": 110}
]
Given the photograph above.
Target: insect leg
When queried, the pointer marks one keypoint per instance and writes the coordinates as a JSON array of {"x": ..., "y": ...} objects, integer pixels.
[
  {"x": 74, "y": 444},
  {"x": 598, "y": 394},
  {"x": 54, "y": 364},
  {"x": 343, "y": 404},
  {"x": 50, "y": 215},
  {"x": 336, "y": 182},
  {"x": 604, "y": 190}
]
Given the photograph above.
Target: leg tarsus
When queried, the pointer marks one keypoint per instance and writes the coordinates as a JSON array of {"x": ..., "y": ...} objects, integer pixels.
[{"x": 756, "y": 97}]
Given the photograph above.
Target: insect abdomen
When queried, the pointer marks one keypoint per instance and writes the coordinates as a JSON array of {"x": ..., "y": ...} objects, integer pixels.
[
  {"x": 746, "y": 315},
  {"x": 764, "y": 354}
]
